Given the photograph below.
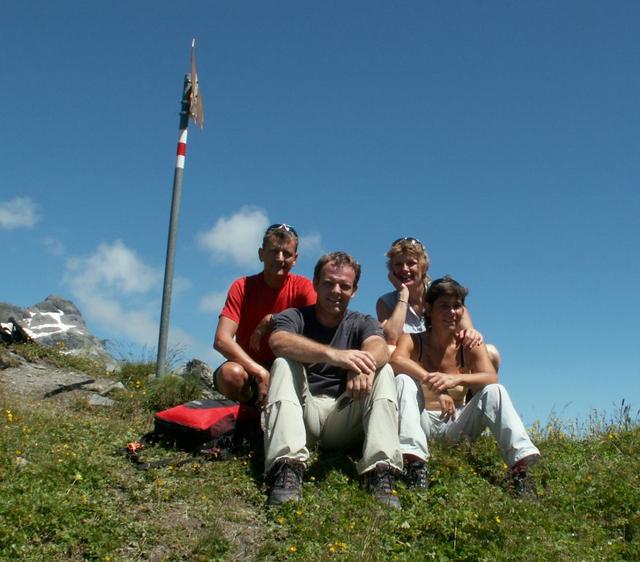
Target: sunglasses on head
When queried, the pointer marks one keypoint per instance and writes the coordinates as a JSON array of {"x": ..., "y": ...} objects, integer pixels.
[
  {"x": 282, "y": 226},
  {"x": 408, "y": 239}
]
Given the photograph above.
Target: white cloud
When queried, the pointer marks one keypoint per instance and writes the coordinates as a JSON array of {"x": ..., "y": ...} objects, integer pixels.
[
  {"x": 19, "y": 212},
  {"x": 310, "y": 245},
  {"x": 54, "y": 246},
  {"x": 114, "y": 266},
  {"x": 237, "y": 237},
  {"x": 112, "y": 286},
  {"x": 213, "y": 302}
]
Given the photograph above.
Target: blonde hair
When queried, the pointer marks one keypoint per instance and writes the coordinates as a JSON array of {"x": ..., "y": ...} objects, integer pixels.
[{"x": 411, "y": 247}]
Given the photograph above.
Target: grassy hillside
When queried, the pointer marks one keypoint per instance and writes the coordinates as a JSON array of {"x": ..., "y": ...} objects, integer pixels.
[{"x": 67, "y": 492}]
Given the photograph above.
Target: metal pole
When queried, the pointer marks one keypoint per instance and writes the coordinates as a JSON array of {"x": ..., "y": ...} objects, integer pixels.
[{"x": 161, "y": 365}]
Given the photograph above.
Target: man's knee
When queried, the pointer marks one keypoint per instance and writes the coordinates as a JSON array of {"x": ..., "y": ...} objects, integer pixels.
[
  {"x": 384, "y": 385},
  {"x": 285, "y": 367},
  {"x": 286, "y": 379},
  {"x": 233, "y": 381},
  {"x": 280, "y": 363},
  {"x": 231, "y": 375}
]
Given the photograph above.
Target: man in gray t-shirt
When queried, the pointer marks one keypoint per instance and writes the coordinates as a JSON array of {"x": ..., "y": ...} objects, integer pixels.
[
  {"x": 330, "y": 383},
  {"x": 351, "y": 333}
]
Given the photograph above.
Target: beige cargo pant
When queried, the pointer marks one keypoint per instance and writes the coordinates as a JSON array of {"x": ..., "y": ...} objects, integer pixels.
[{"x": 293, "y": 418}]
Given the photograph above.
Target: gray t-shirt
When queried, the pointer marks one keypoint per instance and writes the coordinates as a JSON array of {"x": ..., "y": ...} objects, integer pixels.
[{"x": 354, "y": 329}]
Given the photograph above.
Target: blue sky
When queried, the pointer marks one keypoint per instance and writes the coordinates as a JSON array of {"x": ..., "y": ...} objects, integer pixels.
[{"x": 504, "y": 135}]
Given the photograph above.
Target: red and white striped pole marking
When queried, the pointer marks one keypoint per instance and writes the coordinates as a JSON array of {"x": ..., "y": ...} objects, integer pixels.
[{"x": 182, "y": 149}]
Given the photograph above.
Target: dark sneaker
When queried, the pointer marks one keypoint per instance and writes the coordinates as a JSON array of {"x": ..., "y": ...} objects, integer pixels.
[
  {"x": 380, "y": 482},
  {"x": 415, "y": 475},
  {"x": 286, "y": 481}
]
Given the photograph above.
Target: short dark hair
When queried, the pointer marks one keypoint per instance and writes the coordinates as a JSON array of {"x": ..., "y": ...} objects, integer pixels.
[
  {"x": 339, "y": 259},
  {"x": 445, "y": 287}
]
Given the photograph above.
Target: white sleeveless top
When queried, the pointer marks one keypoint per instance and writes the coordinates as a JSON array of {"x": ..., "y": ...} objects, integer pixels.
[{"x": 413, "y": 323}]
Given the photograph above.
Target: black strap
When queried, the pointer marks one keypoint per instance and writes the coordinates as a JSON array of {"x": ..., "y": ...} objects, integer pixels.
[{"x": 218, "y": 449}]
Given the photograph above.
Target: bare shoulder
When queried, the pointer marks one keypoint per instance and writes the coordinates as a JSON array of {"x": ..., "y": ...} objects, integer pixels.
[
  {"x": 382, "y": 310},
  {"x": 477, "y": 359}
]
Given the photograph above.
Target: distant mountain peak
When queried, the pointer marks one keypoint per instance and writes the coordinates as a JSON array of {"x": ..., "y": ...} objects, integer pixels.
[{"x": 56, "y": 321}]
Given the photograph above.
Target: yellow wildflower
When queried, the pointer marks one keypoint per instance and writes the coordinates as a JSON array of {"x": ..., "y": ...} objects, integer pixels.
[
  {"x": 293, "y": 548},
  {"x": 498, "y": 520}
]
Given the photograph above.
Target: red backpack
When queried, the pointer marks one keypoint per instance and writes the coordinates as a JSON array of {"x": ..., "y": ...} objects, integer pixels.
[{"x": 212, "y": 429}]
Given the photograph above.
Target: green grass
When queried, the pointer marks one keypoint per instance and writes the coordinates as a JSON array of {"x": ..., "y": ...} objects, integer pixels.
[
  {"x": 67, "y": 493},
  {"x": 56, "y": 357}
]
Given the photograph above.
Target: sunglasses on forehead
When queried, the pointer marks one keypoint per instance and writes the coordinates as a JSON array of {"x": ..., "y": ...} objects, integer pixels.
[
  {"x": 283, "y": 226},
  {"x": 408, "y": 239}
]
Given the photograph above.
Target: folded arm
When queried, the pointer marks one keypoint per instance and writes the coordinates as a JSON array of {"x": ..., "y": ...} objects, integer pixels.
[{"x": 482, "y": 373}]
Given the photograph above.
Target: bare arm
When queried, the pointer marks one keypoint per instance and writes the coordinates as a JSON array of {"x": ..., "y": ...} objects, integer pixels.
[
  {"x": 225, "y": 343},
  {"x": 393, "y": 320},
  {"x": 404, "y": 360}
]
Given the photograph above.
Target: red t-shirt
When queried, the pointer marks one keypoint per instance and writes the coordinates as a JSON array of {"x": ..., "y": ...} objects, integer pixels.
[{"x": 250, "y": 299}]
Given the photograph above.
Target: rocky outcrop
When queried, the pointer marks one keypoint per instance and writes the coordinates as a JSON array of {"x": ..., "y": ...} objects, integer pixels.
[
  {"x": 57, "y": 322},
  {"x": 40, "y": 380},
  {"x": 204, "y": 374}
]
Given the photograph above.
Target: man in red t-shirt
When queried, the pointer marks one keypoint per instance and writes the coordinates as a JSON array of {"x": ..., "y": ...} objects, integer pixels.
[{"x": 245, "y": 320}]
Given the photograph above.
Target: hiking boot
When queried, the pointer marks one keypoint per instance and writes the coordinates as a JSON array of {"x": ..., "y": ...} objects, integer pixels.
[
  {"x": 415, "y": 475},
  {"x": 523, "y": 485},
  {"x": 521, "y": 481},
  {"x": 380, "y": 481},
  {"x": 286, "y": 481}
]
